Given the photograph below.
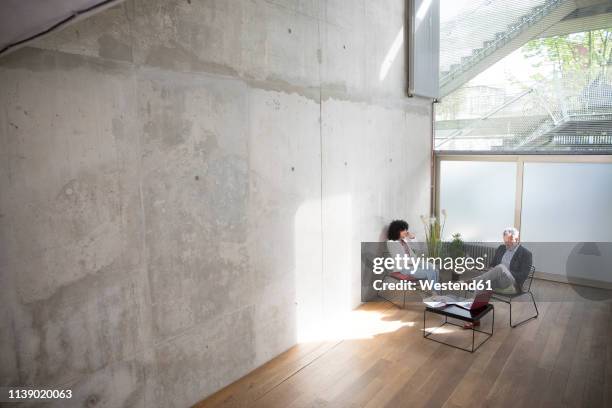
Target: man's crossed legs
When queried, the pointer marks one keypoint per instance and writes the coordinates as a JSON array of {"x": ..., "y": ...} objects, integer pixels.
[{"x": 501, "y": 279}]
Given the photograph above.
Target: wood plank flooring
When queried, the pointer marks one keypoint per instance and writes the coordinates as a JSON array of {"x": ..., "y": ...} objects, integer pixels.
[{"x": 561, "y": 359}]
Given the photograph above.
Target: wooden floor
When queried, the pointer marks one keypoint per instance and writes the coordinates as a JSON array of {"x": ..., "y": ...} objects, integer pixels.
[{"x": 563, "y": 358}]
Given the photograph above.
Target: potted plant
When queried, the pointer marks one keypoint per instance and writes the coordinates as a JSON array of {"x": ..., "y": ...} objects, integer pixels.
[{"x": 455, "y": 247}]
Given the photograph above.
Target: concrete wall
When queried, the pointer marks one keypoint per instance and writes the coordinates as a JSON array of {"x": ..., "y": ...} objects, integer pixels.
[{"x": 184, "y": 186}]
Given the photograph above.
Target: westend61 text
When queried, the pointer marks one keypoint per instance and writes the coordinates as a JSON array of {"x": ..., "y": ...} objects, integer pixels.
[{"x": 429, "y": 285}]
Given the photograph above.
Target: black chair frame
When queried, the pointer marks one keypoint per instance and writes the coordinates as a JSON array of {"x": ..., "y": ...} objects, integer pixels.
[{"x": 525, "y": 290}]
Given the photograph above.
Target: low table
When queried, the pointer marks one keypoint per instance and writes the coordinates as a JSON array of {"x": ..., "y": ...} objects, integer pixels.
[{"x": 459, "y": 313}]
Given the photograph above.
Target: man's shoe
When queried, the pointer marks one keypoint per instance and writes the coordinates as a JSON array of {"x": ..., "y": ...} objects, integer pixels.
[{"x": 471, "y": 325}]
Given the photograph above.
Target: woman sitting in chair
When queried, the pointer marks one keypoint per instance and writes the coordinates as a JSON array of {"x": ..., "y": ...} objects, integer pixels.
[{"x": 397, "y": 244}]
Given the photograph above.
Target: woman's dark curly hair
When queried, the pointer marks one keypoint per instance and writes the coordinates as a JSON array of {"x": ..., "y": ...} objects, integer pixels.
[{"x": 397, "y": 226}]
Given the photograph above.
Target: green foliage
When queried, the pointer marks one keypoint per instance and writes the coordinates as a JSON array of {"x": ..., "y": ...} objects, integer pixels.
[
  {"x": 455, "y": 248},
  {"x": 574, "y": 52}
]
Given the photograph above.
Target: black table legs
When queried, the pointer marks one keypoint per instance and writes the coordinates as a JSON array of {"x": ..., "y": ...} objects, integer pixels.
[{"x": 428, "y": 335}]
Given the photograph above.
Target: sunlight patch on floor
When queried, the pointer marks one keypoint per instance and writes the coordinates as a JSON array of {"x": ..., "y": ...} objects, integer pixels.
[{"x": 357, "y": 324}]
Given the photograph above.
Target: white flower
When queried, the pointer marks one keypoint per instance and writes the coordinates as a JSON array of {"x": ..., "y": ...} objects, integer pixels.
[{"x": 432, "y": 220}]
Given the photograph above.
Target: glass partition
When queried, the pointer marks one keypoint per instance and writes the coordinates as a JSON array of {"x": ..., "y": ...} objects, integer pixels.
[
  {"x": 560, "y": 204},
  {"x": 567, "y": 202},
  {"x": 479, "y": 198}
]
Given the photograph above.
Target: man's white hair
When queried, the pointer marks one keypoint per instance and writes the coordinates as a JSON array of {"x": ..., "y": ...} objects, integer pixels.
[{"x": 511, "y": 231}]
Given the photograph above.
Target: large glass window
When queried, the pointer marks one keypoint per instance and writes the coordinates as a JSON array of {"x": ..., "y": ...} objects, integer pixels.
[
  {"x": 552, "y": 94},
  {"x": 523, "y": 128}
]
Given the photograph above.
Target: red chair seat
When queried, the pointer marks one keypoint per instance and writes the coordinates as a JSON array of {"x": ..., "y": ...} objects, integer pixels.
[{"x": 401, "y": 276}]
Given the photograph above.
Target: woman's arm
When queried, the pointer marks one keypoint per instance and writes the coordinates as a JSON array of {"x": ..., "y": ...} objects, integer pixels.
[{"x": 395, "y": 249}]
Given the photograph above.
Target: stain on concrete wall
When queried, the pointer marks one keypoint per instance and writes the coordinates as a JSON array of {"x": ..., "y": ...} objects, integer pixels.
[{"x": 184, "y": 187}]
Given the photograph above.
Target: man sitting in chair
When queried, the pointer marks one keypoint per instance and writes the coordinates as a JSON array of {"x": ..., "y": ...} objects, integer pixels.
[
  {"x": 509, "y": 268},
  {"x": 510, "y": 265}
]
